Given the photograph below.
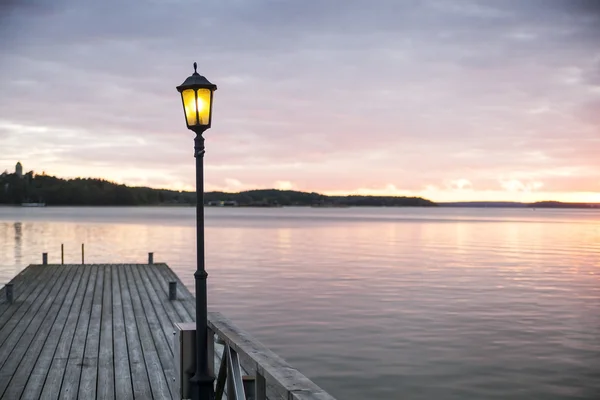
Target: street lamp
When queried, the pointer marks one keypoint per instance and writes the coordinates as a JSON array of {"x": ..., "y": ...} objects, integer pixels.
[{"x": 196, "y": 95}]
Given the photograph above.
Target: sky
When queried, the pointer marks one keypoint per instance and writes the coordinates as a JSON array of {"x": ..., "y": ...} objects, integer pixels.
[{"x": 451, "y": 100}]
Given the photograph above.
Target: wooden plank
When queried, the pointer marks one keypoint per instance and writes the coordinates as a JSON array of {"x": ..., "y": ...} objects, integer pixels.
[
  {"x": 159, "y": 304},
  {"x": 52, "y": 385},
  {"x": 13, "y": 329},
  {"x": 185, "y": 298},
  {"x": 33, "y": 367},
  {"x": 23, "y": 283},
  {"x": 160, "y": 283},
  {"x": 158, "y": 381},
  {"x": 106, "y": 372},
  {"x": 70, "y": 383},
  {"x": 160, "y": 324},
  {"x": 164, "y": 307},
  {"x": 123, "y": 387},
  {"x": 89, "y": 370},
  {"x": 42, "y": 367},
  {"x": 139, "y": 374},
  {"x": 12, "y": 317},
  {"x": 14, "y": 350}
]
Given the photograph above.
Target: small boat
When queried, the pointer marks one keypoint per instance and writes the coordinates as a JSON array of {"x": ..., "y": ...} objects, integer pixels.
[{"x": 33, "y": 204}]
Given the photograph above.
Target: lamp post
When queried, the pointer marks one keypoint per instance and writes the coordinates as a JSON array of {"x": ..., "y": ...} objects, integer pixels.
[{"x": 196, "y": 95}]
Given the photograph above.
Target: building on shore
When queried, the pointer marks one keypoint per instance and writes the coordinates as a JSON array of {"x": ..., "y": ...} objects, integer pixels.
[
  {"x": 223, "y": 203},
  {"x": 19, "y": 169}
]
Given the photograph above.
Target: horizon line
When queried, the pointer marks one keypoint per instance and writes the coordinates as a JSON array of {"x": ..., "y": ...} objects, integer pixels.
[{"x": 323, "y": 193}]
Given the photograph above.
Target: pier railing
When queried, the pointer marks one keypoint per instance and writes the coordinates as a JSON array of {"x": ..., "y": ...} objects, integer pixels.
[{"x": 267, "y": 374}]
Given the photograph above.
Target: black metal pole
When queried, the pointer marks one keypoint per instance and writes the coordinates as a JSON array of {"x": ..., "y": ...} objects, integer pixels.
[{"x": 202, "y": 382}]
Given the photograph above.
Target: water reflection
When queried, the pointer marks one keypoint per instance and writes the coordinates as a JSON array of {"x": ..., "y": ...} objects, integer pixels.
[
  {"x": 18, "y": 226},
  {"x": 371, "y": 303},
  {"x": 284, "y": 240}
]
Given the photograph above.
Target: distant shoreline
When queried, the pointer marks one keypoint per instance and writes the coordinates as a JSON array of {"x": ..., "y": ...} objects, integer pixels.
[
  {"x": 510, "y": 204},
  {"x": 572, "y": 206},
  {"x": 33, "y": 190}
]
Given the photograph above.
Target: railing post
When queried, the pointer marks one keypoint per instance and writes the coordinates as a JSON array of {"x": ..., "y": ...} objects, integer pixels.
[
  {"x": 249, "y": 384},
  {"x": 222, "y": 377},
  {"x": 62, "y": 254},
  {"x": 82, "y": 254},
  {"x": 235, "y": 382},
  {"x": 9, "y": 292},
  {"x": 44, "y": 258},
  {"x": 210, "y": 352},
  {"x": 173, "y": 291},
  {"x": 150, "y": 258},
  {"x": 230, "y": 380},
  {"x": 260, "y": 387}
]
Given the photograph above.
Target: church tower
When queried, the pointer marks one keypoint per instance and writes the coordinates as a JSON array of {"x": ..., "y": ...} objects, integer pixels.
[{"x": 19, "y": 170}]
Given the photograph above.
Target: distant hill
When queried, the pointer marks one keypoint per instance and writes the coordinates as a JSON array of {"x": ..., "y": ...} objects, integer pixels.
[
  {"x": 483, "y": 204},
  {"x": 558, "y": 204},
  {"x": 511, "y": 204},
  {"x": 275, "y": 197},
  {"x": 98, "y": 192}
]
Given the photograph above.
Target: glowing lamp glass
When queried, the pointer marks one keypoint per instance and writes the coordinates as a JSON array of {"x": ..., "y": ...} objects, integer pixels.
[{"x": 196, "y": 104}]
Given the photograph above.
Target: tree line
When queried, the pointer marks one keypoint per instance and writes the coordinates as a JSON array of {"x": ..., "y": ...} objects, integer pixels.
[{"x": 99, "y": 192}]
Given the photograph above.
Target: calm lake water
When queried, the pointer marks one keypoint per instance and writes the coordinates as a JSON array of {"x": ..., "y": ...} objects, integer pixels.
[{"x": 373, "y": 303}]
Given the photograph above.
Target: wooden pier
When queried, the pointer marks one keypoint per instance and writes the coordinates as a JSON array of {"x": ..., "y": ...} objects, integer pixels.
[{"x": 106, "y": 332}]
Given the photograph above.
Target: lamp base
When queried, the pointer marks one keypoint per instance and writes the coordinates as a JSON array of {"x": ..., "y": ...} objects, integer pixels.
[{"x": 202, "y": 388}]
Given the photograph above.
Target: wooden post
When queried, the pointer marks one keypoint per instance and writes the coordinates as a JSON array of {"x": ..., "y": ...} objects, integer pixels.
[
  {"x": 260, "y": 387},
  {"x": 249, "y": 384},
  {"x": 150, "y": 258},
  {"x": 210, "y": 353},
  {"x": 82, "y": 254},
  {"x": 9, "y": 292},
  {"x": 62, "y": 254},
  {"x": 44, "y": 258},
  {"x": 173, "y": 290},
  {"x": 222, "y": 377},
  {"x": 229, "y": 382}
]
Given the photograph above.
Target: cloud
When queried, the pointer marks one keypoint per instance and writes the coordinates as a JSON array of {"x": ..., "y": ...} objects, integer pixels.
[
  {"x": 284, "y": 185},
  {"x": 460, "y": 184},
  {"x": 387, "y": 190},
  {"x": 333, "y": 95},
  {"x": 515, "y": 185}
]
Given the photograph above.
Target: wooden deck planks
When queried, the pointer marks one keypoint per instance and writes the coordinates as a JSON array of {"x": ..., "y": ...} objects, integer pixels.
[
  {"x": 24, "y": 279},
  {"x": 123, "y": 385},
  {"x": 89, "y": 365},
  {"x": 175, "y": 309},
  {"x": 42, "y": 367},
  {"x": 91, "y": 331},
  {"x": 22, "y": 332},
  {"x": 45, "y": 338},
  {"x": 137, "y": 363},
  {"x": 14, "y": 312},
  {"x": 158, "y": 382},
  {"x": 27, "y": 345},
  {"x": 186, "y": 299},
  {"x": 157, "y": 317},
  {"x": 70, "y": 381},
  {"x": 53, "y": 383},
  {"x": 160, "y": 325},
  {"x": 106, "y": 373},
  {"x": 166, "y": 313}
]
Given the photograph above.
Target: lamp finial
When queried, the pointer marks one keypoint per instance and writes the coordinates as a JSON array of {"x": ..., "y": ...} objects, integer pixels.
[{"x": 195, "y": 67}]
